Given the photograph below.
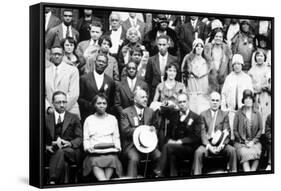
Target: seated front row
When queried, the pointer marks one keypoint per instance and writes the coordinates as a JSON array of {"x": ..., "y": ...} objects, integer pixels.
[{"x": 192, "y": 137}]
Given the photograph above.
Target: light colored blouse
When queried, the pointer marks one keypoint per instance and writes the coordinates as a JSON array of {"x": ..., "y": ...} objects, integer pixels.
[{"x": 101, "y": 130}]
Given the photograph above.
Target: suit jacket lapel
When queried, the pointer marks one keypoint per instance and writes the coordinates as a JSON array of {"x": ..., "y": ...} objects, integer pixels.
[
  {"x": 50, "y": 76},
  {"x": 157, "y": 64},
  {"x": 61, "y": 73},
  {"x": 126, "y": 88},
  {"x": 93, "y": 82},
  {"x": 60, "y": 32},
  {"x": 52, "y": 125},
  {"x": 66, "y": 121},
  {"x": 208, "y": 120},
  {"x": 218, "y": 119}
]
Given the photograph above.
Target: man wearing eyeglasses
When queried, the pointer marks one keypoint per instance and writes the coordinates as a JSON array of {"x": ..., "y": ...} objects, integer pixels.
[
  {"x": 61, "y": 76},
  {"x": 63, "y": 139},
  {"x": 215, "y": 131},
  {"x": 61, "y": 31}
]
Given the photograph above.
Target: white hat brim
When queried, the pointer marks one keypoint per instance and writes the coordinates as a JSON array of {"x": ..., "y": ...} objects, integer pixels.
[{"x": 137, "y": 143}]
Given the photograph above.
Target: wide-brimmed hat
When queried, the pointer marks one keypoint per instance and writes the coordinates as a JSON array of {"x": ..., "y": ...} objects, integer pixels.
[
  {"x": 247, "y": 93},
  {"x": 160, "y": 18},
  {"x": 216, "y": 24},
  {"x": 144, "y": 139},
  {"x": 196, "y": 42}
]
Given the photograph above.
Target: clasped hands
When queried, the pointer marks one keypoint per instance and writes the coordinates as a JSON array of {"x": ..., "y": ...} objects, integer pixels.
[{"x": 60, "y": 143}]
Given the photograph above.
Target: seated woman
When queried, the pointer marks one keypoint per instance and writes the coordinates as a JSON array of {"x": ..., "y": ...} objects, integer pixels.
[
  {"x": 101, "y": 142},
  {"x": 165, "y": 99},
  {"x": 69, "y": 45},
  {"x": 195, "y": 70},
  {"x": 247, "y": 131}
]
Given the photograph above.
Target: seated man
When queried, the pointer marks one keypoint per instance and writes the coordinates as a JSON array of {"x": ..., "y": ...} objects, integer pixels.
[
  {"x": 213, "y": 121},
  {"x": 131, "y": 118},
  {"x": 63, "y": 138},
  {"x": 185, "y": 138}
]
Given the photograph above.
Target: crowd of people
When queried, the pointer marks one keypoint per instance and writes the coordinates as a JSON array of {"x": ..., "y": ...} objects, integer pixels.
[{"x": 173, "y": 88}]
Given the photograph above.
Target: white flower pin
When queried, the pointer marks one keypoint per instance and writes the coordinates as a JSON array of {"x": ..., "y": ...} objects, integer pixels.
[
  {"x": 190, "y": 121},
  {"x": 105, "y": 87}
]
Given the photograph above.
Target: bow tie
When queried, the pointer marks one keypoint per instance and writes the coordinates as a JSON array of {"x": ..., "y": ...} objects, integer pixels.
[{"x": 182, "y": 113}]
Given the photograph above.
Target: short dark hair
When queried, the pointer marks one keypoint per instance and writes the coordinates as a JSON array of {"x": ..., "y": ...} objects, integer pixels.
[
  {"x": 136, "y": 48},
  {"x": 106, "y": 38},
  {"x": 260, "y": 52},
  {"x": 99, "y": 95},
  {"x": 96, "y": 24},
  {"x": 170, "y": 65},
  {"x": 58, "y": 93},
  {"x": 67, "y": 10},
  {"x": 70, "y": 40},
  {"x": 214, "y": 32},
  {"x": 163, "y": 36},
  {"x": 102, "y": 54}
]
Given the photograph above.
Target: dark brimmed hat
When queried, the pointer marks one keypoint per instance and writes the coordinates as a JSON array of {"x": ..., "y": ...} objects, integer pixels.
[
  {"x": 161, "y": 18},
  {"x": 247, "y": 93}
]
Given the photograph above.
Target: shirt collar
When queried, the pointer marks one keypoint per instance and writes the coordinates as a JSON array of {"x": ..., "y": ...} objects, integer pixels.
[
  {"x": 57, "y": 116},
  {"x": 139, "y": 110},
  {"x": 165, "y": 56},
  {"x": 100, "y": 76}
]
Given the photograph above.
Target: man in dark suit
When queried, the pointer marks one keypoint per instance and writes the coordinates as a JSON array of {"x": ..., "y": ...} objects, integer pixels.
[
  {"x": 84, "y": 23},
  {"x": 150, "y": 38},
  {"x": 50, "y": 20},
  {"x": 189, "y": 32},
  {"x": 63, "y": 139},
  {"x": 93, "y": 83},
  {"x": 185, "y": 138},
  {"x": 56, "y": 34},
  {"x": 155, "y": 69},
  {"x": 213, "y": 120},
  {"x": 125, "y": 90},
  {"x": 131, "y": 118}
]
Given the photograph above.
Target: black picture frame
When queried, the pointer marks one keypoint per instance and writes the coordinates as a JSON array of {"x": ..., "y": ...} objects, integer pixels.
[{"x": 37, "y": 91}]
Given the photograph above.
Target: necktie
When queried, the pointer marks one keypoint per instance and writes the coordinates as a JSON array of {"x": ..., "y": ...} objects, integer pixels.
[
  {"x": 56, "y": 77},
  {"x": 140, "y": 115},
  {"x": 59, "y": 120},
  {"x": 236, "y": 97},
  {"x": 67, "y": 32},
  {"x": 212, "y": 124}
]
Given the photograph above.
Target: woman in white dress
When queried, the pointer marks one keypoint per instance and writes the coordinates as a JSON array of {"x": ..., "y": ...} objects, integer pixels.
[{"x": 101, "y": 142}]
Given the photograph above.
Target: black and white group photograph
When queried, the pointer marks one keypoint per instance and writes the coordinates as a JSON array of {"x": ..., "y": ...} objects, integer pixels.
[
  {"x": 129, "y": 94},
  {"x": 152, "y": 95}
]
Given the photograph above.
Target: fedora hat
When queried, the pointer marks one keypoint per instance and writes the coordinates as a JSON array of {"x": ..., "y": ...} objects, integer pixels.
[{"x": 144, "y": 139}]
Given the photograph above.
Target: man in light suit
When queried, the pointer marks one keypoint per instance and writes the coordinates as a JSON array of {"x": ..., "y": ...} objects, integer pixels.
[
  {"x": 93, "y": 83},
  {"x": 63, "y": 135},
  {"x": 50, "y": 20},
  {"x": 85, "y": 49},
  {"x": 131, "y": 118},
  {"x": 125, "y": 90},
  {"x": 133, "y": 21},
  {"x": 155, "y": 69},
  {"x": 56, "y": 34},
  {"x": 214, "y": 119},
  {"x": 63, "y": 77}
]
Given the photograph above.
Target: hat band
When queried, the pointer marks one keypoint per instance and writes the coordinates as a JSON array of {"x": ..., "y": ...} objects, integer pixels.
[
  {"x": 141, "y": 143},
  {"x": 220, "y": 139}
]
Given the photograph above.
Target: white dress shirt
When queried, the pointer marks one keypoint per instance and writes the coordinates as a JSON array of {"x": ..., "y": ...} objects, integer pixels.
[
  {"x": 139, "y": 111},
  {"x": 115, "y": 38},
  {"x": 99, "y": 79},
  {"x": 47, "y": 19},
  {"x": 132, "y": 83},
  {"x": 183, "y": 116},
  {"x": 163, "y": 63},
  {"x": 64, "y": 29},
  {"x": 57, "y": 116}
]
